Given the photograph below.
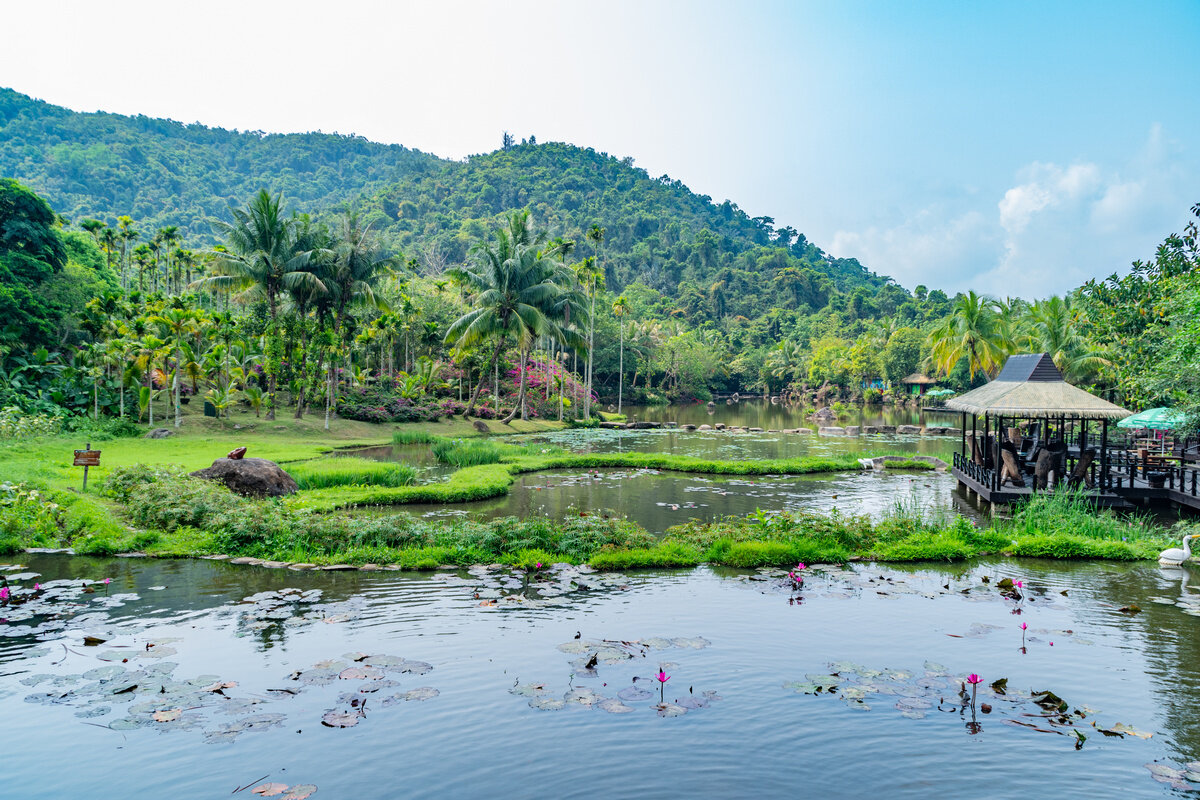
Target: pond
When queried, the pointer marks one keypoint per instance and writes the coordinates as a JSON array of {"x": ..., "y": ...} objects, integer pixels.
[
  {"x": 212, "y": 677},
  {"x": 658, "y": 500}
]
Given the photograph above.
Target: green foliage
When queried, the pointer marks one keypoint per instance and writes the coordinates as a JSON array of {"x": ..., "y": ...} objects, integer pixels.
[
  {"x": 16, "y": 424},
  {"x": 466, "y": 453},
  {"x": 403, "y": 436},
  {"x": 322, "y": 473}
]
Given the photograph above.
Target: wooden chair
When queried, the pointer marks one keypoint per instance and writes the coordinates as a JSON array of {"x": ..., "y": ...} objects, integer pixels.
[{"x": 1079, "y": 475}]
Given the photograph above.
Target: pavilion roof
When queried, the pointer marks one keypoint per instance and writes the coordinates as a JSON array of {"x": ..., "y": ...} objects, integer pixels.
[
  {"x": 1031, "y": 386},
  {"x": 918, "y": 378}
]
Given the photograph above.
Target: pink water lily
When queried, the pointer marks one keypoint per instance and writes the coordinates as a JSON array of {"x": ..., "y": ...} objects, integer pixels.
[
  {"x": 801, "y": 565},
  {"x": 1019, "y": 584},
  {"x": 662, "y": 677},
  {"x": 1023, "y": 626},
  {"x": 106, "y": 581},
  {"x": 3, "y": 592},
  {"x": 973, "y": 678},
  {"x": 538, "y": 565},
  {"x": 37, "y": 587}
]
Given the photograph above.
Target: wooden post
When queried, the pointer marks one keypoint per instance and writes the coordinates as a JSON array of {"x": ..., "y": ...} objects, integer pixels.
[
  {"x": 86, "y": 446},
  {"x": 963, "y": 429},
  {"x": 1104, "y": 478}
]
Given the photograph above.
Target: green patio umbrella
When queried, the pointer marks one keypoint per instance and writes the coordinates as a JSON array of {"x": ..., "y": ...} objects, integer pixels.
[{"x": 1153, "y": 419}]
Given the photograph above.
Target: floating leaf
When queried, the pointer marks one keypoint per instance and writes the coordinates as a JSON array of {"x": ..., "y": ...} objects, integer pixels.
[
  {"x": 301, "y": 791},
  {"x": 1129, "y": 730},
  {"x": 670, "y": 710},
  {"x": 635, "y": 694},
  {"x": 547, "y": 703},
  {"x": 167, "y": 715},
  {"x": 424, "y": 693},
  {"x": 269, "y": 789},
  {"x": 340, "y": 719},
  {"x": 613, "y": 706}
]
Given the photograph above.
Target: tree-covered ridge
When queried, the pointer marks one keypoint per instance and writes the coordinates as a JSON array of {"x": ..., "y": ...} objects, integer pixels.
[
  {"x": 712, "y": 259},
  {"x": 166, "y": 173}
]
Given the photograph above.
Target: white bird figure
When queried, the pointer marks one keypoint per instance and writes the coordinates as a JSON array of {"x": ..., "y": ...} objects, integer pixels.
[{"x": 1177, "y": 555}]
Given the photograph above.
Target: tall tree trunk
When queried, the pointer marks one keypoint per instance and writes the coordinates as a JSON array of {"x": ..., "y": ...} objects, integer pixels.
[
  {"x": 303, "y": 369},
  {"x": 178, "y": 390},
  {"x": 621, "y": 371},
  {"x": 482, "y": 380},
  {"x": 587, "y": 398},
  {"x": 520, "y": 404},
  {"x": 271, "y": 368}
]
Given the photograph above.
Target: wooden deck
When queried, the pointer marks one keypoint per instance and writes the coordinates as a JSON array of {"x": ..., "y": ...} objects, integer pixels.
[{"x": 1125, "y": 486}]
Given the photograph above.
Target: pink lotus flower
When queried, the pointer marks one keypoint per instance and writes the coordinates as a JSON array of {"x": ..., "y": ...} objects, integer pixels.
[
  {"x": 973, "y": 678},
  {"x": 3, "y": 592},
  {"x": 106, "y": 581},
  {"x": 1023, "y": 626},
  {"x": 37, "y": 587},
  {"x": 662, "y": 677},
  {"x": 1019, "y": 584},
  {"x": 801, "y": 565},
  {"x": 538, "y": 565}
]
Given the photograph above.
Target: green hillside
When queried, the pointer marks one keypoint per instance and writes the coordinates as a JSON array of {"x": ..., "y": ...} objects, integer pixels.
[
  {"x": 162, "y": 172},
  {"x": 712, "y": 258}
]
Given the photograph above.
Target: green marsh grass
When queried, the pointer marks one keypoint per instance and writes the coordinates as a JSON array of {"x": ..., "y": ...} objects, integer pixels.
[{"x": 323, "y": 473}]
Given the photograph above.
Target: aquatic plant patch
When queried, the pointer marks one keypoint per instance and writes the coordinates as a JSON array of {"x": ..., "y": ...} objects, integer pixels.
[
  {"x": 619, "y": 660},
  {"x": 970, "y": 700}
]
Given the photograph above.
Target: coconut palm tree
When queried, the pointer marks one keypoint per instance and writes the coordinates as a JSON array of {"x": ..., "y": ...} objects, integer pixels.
[
  {"x": 264, "y": 257},
  {"x": 1053, "y": 327},
  {"x": 592, "y": 277},
  {"x": 974, "y": 330},
  {"x": 620, "y": 310},
  {"x": 177, "y": 324},
  {"x": 514, "y": 289}
]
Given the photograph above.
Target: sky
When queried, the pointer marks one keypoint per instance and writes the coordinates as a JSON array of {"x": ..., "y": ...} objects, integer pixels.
[{"x": 1013, "y": 148}]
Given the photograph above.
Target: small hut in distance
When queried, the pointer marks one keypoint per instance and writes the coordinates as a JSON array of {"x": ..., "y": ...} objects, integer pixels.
[
  {"x": 917, "y": 384},
  {"x": 1029, "y": 424}
]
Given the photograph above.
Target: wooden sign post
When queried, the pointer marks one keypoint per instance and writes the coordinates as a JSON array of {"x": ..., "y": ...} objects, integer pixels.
[{"x": 87, "y": 458}]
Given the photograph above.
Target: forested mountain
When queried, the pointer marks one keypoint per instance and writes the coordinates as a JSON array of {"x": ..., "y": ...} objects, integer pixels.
[
  {"x": 162, "y": 172},
  {"x": 710, "y": 259}
]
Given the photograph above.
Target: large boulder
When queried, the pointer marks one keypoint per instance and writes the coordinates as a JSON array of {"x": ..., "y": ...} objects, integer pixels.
[
  {"x": 252, "y": 477},
  {"x": 159, "y": 433}
]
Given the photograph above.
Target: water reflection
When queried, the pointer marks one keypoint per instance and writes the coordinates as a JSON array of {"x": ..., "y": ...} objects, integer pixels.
[{"x": 1138, "y": 669}]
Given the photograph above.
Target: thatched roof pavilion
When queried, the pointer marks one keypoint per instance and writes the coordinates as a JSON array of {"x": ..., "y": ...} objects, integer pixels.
[
  {"x": 1030, "y": 392},
  {"x": 1031, "y": 387}
]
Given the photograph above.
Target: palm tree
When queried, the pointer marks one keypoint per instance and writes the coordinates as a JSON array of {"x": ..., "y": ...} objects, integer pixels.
[
  {"x": 592, "y": 277},
  {"x": 168, "y": 237},
  {"x": 177, "y": 324},
  {"x": 975, "y": 331},
  {"x": 1053, "y": 327},
  {"x": 514, "y": 289},
  {"x": 620, "y": 309},
  {"x": 263, "y": 257}
]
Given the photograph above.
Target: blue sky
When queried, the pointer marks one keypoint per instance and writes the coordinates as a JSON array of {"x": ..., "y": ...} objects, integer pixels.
[{"x": 1015, "y": 148}]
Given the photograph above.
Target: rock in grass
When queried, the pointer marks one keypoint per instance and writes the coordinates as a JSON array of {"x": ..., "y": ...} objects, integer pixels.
[
  {"x": 159, "y": 433},
  {"x": 250, "y": 477}
]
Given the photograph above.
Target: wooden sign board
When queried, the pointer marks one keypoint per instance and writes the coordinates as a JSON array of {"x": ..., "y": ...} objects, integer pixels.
[{"x": 87, "y": 458}]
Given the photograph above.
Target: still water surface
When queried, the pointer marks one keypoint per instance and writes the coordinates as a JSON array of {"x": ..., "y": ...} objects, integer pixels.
[
  {"x": 900, "y": 639},
  {"x": 658, "y": 500}
]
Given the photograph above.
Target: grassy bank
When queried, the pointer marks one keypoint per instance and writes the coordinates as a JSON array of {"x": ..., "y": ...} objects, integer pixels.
[{"x": 171, "y": 514}]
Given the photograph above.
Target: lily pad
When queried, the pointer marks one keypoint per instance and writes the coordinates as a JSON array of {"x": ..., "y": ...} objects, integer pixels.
[{"x": 335, "y": 718}]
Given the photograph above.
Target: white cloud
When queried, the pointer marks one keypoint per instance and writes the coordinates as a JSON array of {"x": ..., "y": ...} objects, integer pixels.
[{"x": 1056, "y": 227}]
